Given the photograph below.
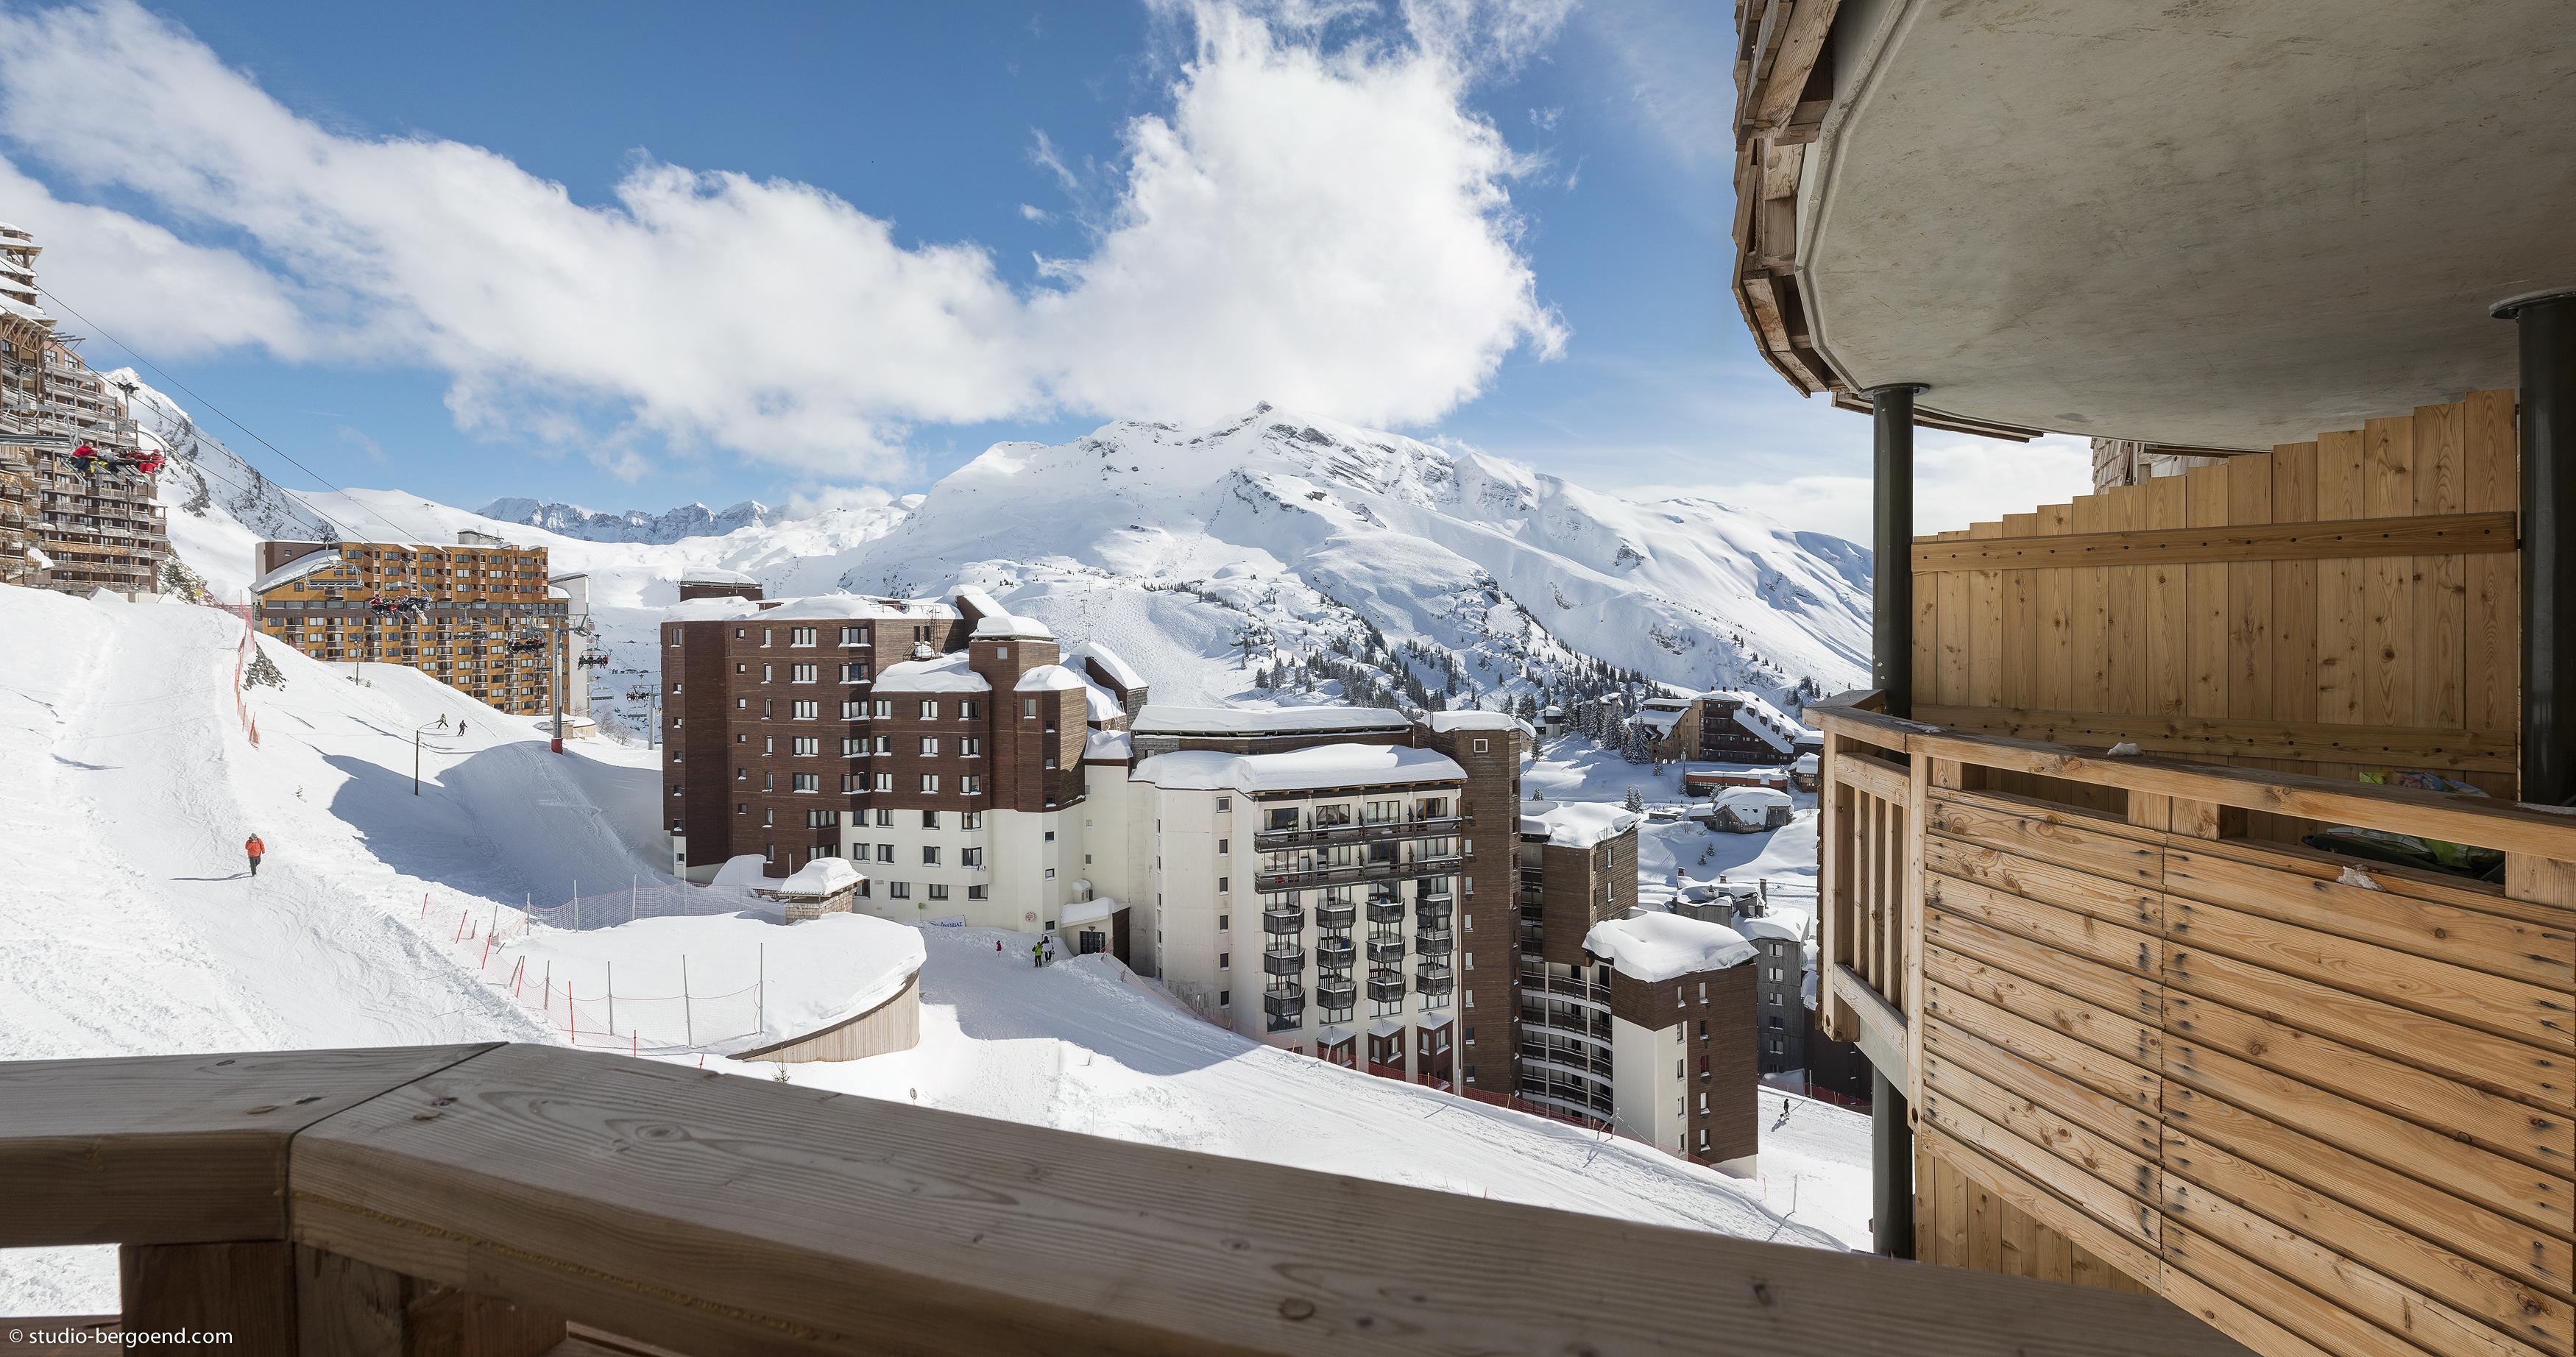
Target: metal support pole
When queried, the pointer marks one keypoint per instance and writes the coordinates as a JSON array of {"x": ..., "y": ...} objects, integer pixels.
[
  {"x": 1891, "y": 1153},
  {"x": 2546, "y": 325},
  {"x": 554, "y": 678},
  {"x": 1892, "y": 545}
]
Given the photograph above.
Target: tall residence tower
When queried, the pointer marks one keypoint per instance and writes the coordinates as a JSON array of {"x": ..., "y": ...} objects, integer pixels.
[
  {"x": 77, "y": 487},
  {"x": 479, "y": 616}
]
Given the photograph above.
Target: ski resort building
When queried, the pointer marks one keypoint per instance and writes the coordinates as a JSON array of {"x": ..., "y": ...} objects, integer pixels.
[
  {"x": 2195, "y": 871},
  {"x": 479, "y": 616},
  {"x": 1724, "y": 726},
  {"x": 1635, "y": 1020},
  {"x": 77, "y": 486}
]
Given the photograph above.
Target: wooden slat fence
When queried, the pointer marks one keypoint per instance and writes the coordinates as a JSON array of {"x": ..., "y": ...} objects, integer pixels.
[
  {"x": 2328, "y": 1106},
  {"x": 2330, "y": 607}
]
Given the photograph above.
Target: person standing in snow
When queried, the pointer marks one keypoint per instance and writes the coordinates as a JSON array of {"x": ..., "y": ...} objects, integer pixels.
[
  {"x": 1037, "y": 955},
  {"x": 256, "y": 850}
]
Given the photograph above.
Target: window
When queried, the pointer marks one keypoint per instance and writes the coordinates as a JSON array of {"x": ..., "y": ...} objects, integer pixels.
[
  {"x": 968, "y": 709},
  {"x": 853, "y": 748},
  {"x": 970, "y": 747},
  {"x": 929, "y": 746},
  {"x": 803, "y": 673},
  {"x": 970, "y": 784},
  {"x": 1224, "y": 997},
  {"x": 822, "y": 819},
  {"x": 972, "y": 819},
  {"x": 1222, "y": 921},
  {"x": 800, "y": 636},
  {"x": 899, "y": 890},
  {"x": 1050, "y": 760},
  {"x": 970, "y": 857},
  {"x": 853, "y": 783},
  {"x": 974, "y": 892},
  {"x": 1224, "y": 804},
  {"x": 938, "y": 891},
  {"x": 767, "y": 673},
  {"x": 1220, "y": 881},
  {"x": 1703, "y": 991},
  {"x": 809, "y": 782},
  {"x": 1050, "y": 874},
  {"x": 885, "y": 817},
  {"x": 930, "y": 709},
  {"x": 885, "y": 744},
  {"x": 1028, "y": 708},
  {"x": 1224, "y": 960},
  {"x": 1221, "y": 847},
  {"x": 855, "y": 672},
  {"x": 1001, "y": 652},
  {"x": 854, "y": 636},
  {"x": 884, "y": 709},
  {"x": 885, "y": 782},
  {"x": 930, "y": 782},
  {"x": 1480, "y": 746},
  {"x": 885, "y": 852},
  {"x": 808, "y": 746},
  {"x": 768, "y": 744},
  {"x": 930, "y": 855}
]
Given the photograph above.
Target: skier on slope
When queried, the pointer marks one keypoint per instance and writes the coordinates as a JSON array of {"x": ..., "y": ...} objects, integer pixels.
[{"x": 257, "y": 850}]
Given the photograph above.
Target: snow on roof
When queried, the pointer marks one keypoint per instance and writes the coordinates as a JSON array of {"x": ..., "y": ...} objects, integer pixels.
[
  {"x": 1382, "y": 1028},
  {"x": 710, "y": 610},
  {"x": 1657, "y": 947},
  {"x": 1120, "y": 672},
  {"x": 1098, "y": 703},
  {"x": 1658, "y": 719},
  {"x": 939, "y": 674},
  {"x": 1005, "y": 627},
  {"x": 1158, "y": 719},
  {"x": 311, "y": 562},
  {"x": 1749, "y": 800},
  {"x": 1471, "y": 719},
  {"x": 969, "y": 596},
  {"x": 1580, "y": 824},
  {"x": 1806, "y": 763},
  {"x": 822, "y": 876},
  {"x": 1046, "y": 678},
  {"x": 1106, "y": 745},
  {"x": 556, "y": 591},
  {"x": 709, "y": 574},
  {"x": 1325, "y": 765},
  {"x": 1333, "y": 1036},
  {"x": 1784, "y": 925},
  {"x": 858, "y": 606},
  {"x": 1092, "y": 910},
  {"x": 1434, "y": 1021}
]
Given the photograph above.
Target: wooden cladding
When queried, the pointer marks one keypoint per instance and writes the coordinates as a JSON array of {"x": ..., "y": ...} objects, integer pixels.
[
  {"x": 2330, "y": 607},
  {"x": 2435, "y": 535},
  {"x": 2327, "y": 1106}
]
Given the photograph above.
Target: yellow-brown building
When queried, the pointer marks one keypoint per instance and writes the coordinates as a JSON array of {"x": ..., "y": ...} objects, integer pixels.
[{"x": 451, "y": 612}]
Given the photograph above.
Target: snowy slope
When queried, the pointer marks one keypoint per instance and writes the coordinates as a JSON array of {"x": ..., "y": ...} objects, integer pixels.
[{"x": 128, "y": 925}]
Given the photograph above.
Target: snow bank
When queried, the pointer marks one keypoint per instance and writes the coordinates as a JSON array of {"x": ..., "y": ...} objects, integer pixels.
[
  {"x": 1050, "y": 678},
  {"x": 1118, "y": 670},
  {"x": 1327, "y": 765},
  {"x": 1656, "y": 947},
  {"x": 1784, "y": 925},
  {"x": 1752, "y": 803},
  {"x": 1445, "y": 721},
  {"x": 751, "y": 981},
  {"x": 1580, "y": 824},
  {"x": 1108, "y": 744},
  {"x": 822, "y": 876},
  {"x": 833, "y": 607},
  {"x": 943, "y": 674},
  {"x": 1157, "y": 719},
  {"x": 709, "y": 574},
  {"x": 1006, "y": 627}
]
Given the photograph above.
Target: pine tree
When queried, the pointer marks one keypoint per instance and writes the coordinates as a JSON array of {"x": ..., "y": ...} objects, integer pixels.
[
  {"x": 262, "y": 672},
  {"x": 1635, "y": 800}
]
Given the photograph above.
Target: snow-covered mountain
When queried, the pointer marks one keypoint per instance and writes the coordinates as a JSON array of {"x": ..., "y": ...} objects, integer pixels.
[
  {"x": 634, "y": 525},
  {"x": 1268, "y": 558}
]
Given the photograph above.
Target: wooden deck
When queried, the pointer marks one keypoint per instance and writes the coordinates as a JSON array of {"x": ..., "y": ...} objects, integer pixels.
[
  {"x": 2324, "y": 1104},
  {"x": 507, "y": 1199}
]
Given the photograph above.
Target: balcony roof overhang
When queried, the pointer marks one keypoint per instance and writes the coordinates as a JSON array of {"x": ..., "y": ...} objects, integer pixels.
[{"x": 2224, "y": 225}]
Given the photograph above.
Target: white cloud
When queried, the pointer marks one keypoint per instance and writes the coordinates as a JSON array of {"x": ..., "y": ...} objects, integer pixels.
[
  {"x": 1032, "y": 212},
  {"x": 146, "y": 285},
  {"x": 1958, "y": 480},
  {"x": 1328, "y": 228}
]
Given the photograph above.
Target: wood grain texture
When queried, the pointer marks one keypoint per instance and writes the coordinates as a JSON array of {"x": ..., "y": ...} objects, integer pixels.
[
  {"x": 2221, "y": 543},
  {"x": 709, "y": 1212},
  {"x": 173, "y": 1149},
  {"x": 244, "y": 1291}
]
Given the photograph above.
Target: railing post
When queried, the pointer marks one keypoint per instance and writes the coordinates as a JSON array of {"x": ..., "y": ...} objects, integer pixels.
[
  {"x": 1891, "y": 1162},
  {"x": 2546, "y": 326},
  {"x": 1892, "y": 546}
]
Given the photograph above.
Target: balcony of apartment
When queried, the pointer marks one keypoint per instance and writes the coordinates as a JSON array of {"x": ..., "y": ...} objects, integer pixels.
[
  {"x": 1385, "y": 949},
  {"x": 1565, "y": 989},
  {"x": 1284, "y": 1002},
  {"x": 1566, "y": 1021},
  {"x": 1440, "y": 941},
  {"x": 1334, "y": 953},
  {"x": 1361, "y": 831},
  {"x": 1586, "y": 1063},
  {"x": 1431, "y": 977},
  {"x": 1336, "y": 993},
  {"x": 1283, "y": 957},
  {"x": 1335, "y": 914},
  {"x": 2155, "y": 883},
  {"x": 1434, "y": 911},
  {"x": 1283, "y": 920},
  {"x": 1386, "y": 986},
  {"x": 1386, "y": 910},
  {"x": 1566, "y": 1093}
]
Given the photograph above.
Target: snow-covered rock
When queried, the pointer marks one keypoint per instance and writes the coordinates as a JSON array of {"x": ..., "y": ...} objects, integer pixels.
[{"x": 634, "y": 525}]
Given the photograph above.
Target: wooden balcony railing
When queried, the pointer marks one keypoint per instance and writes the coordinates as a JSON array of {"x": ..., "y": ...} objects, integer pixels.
[
  {"x": 494, "y": 1199},
  {"x": 2327, "y": 1104}
]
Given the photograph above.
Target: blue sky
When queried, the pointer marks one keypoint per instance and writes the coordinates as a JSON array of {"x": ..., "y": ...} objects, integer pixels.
[{"x": 807, "y": 247}]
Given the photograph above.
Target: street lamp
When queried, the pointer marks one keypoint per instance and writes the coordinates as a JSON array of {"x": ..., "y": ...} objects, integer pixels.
[{"x": 415, "y": 751}]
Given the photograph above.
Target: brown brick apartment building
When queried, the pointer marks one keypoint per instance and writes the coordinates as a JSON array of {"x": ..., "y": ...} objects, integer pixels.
[{"x": 459, "y": 610}]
